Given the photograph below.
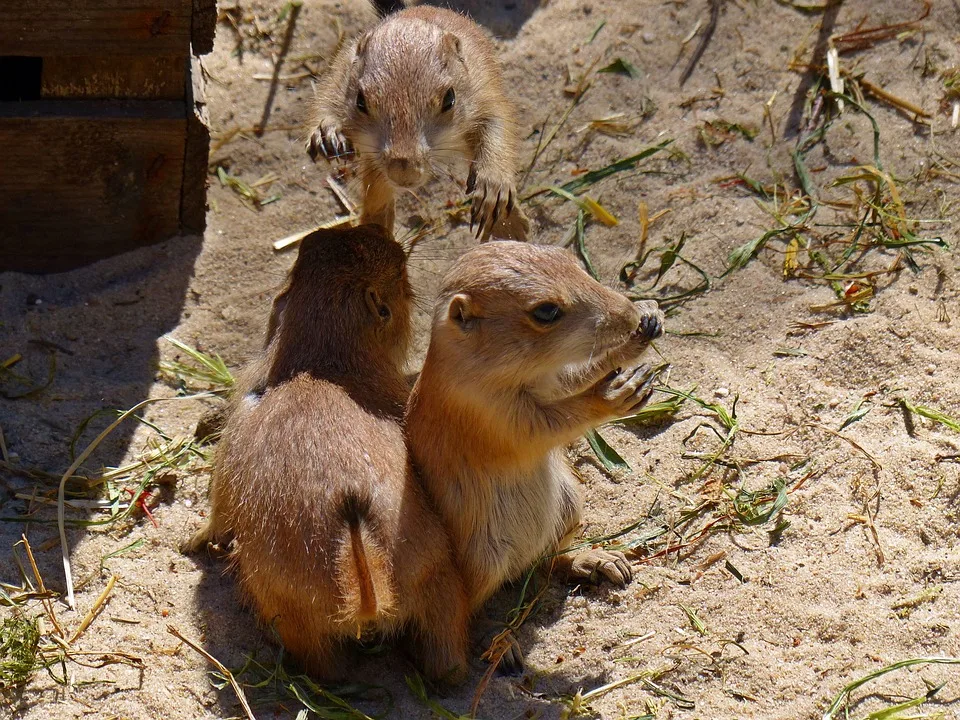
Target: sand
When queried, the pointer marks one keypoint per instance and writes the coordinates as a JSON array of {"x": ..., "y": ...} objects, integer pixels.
[{"x": 865, "y": 574}]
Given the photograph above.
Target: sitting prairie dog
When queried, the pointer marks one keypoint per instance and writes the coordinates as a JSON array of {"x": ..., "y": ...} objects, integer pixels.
[
  {"x": 409, "y": 97},
  {"x": 524, "y": 357},
  {"x": 331, "y": 534}
]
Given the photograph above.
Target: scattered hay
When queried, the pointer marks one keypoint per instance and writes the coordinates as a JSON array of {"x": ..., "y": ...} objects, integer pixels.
[
  {"x": 836, "y": 256},
  {"x": 249, "y": 193},
  {"x": 210, "y": 371}
]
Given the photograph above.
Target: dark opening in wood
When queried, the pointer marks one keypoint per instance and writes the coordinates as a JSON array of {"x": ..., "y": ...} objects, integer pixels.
[{"x": 20, "y": 78}]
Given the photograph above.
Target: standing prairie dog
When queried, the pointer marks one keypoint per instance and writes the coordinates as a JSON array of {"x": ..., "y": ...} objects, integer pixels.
[
  {"x": 525, "y": 356},
  {"x": 409, "y": 97},
  {"x": 331, "y": 534}
]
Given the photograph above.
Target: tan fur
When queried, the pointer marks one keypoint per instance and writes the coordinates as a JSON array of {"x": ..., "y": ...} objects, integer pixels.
[
  {"x": 404, "y": 66},
  {"x": 331, "y": 533},
  {"x": 501, "y": 394}
]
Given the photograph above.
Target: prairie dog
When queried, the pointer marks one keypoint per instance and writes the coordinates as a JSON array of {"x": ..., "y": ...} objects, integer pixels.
[
  {"x": 411, "y": 96},
  {"x": 331, "y": 534},
  {"x": 524, "y": 357}
]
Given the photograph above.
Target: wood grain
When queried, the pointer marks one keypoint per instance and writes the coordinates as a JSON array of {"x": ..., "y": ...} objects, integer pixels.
[
  {"x": 119, "y": 77},
  {"x": 97, "y": 27},
  {"x": 84, "y": 180}
]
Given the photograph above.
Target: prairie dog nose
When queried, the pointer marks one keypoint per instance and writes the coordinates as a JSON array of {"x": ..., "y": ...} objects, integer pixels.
[{"x": 405, "y": 172}]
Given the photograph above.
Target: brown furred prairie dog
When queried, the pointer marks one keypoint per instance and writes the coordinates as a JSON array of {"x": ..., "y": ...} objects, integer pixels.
[
  {"x": 409, "y": 97},
  {"x": 331, "y": 533},
  {"x": 524, "y": 357}
]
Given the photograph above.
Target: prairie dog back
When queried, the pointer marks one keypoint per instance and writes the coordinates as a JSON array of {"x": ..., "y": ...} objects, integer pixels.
[{"x": 331, "y": 534}]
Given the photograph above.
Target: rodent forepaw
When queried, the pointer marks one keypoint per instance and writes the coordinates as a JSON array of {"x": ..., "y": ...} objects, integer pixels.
[
  {"x": 595, "y": 565},
  {"x": 328, "y": 140},
  {"x": 651, "y": 320},
  {"x": 492, "y": 200},
  {"x": 624, "y": 391}
]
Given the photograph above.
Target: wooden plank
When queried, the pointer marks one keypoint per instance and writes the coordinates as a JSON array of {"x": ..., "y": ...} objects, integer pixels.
[
  {"x": 95, "y": 27},
  {"x": 84, "y": 180},
  {"x": 114, "y": 76},
  {"x": 193, "y": 204}
]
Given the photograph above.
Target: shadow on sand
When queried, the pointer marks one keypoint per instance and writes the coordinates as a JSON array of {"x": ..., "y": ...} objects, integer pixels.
[
  {"x": 231, "y": 635},
  {"x": 503, "y": 18},
  {"x": 89, "y": 343}
]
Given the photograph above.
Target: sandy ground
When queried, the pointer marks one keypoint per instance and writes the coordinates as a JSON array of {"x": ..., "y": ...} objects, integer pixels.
[{"x": 865, "y": 574}]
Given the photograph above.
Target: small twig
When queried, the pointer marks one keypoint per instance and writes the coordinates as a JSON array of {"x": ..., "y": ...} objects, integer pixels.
[
  {"x": 92, "y": 613},
  {"x": 704, "y": 41},
  {"x": 833, "y": 70},
  {"x": 342, "y": 196},
  {"x": 290, "y": 240},
  {"x": 872, "y": 525},
  {"x": 284, "y": 78},
  {"x": 868, "y": 37},
  {"x": 638, "y": 639},
  {"x": 881, "y": 94},
  {"x": 501, "y": 644},
  {"x": 219, "y": 666},
  {"x": 47, "y": 605},
  {"x": 867, "y": 519}
]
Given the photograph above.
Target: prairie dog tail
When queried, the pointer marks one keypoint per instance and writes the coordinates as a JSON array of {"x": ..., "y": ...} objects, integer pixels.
[{"x": 363, "y": 570}]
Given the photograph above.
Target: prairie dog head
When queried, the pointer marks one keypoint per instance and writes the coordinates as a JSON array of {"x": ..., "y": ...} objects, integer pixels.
[
  {"x": 347, "y": 301},
  {"x": 406, "y": 98},
  {"x": 524, "y": 313}
]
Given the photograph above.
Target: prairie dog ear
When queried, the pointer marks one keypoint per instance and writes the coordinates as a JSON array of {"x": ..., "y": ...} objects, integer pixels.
[
  {"x": 451, "y": 47},
  {"x": 462, "y": 312},
  {"x": 276, "y": 315},
  {"x": 378, "y": 309},
  {"x": 361, "y": 45}
]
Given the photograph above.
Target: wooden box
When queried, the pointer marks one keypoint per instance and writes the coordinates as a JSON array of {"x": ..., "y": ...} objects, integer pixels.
[{"x": 103, "y": 135}]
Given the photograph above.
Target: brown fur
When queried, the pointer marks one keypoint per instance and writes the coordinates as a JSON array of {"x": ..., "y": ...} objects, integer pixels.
[
  {"x": 331, "y": 533},
  {"x": 500, "y": 394},
  {"x": 404, "y": 66}
]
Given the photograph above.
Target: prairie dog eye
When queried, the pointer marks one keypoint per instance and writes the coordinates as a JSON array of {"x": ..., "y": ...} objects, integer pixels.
[
  {"x": 362, "y": 102},
  {"x": 449, "y": 100},
  {"x": 546, "y": 313}
]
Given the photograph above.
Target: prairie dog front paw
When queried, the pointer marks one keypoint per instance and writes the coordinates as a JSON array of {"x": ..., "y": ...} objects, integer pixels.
[
  {"x": 328, "y": 140},
  {"x": 624, "y": 391},
  {"x": 494, "y": 199},
  {"x": 651, "y": 320}
]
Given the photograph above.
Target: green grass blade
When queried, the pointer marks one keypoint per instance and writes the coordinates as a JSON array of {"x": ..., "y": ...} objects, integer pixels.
[
  {"x": 628, "y": 163},
  {"x": 931, "y": 414},
  {"x": 419, "y": 690},
  {"x": 840, "y": 700},
  {"x": 610, "y": 458}
]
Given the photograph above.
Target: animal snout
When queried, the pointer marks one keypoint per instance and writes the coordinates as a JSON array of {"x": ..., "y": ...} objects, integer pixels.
[
  {"x": 405, "y": 171},
  {"x": 618, "y": 318},
  {"x": 651, "y": 319}
]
